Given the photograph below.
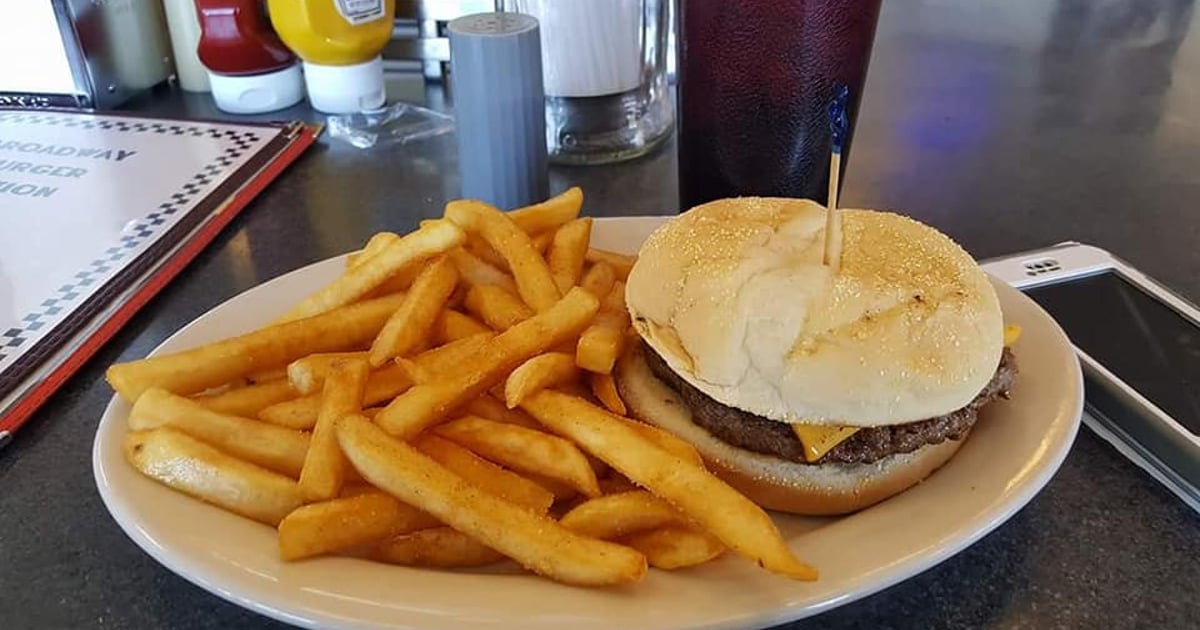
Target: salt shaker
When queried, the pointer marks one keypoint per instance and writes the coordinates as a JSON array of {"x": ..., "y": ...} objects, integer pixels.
[{"x": 499, "y": 101}]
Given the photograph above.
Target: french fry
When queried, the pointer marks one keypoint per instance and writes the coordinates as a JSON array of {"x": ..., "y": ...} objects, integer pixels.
[
  {"x": 498, "y": 308},
  {"x": 398, "y": 282},
  {"x": 268, "y": 375},
  {"x": 541, "y": 242},
  {"x": 435, "y": 361},
  {"x": 616, "y": 483},
  {"x": 415, "y": 318},
  {"x": 566, "y": 252},
  {"x": 377, "y": 243},
  {"x": 201, "y": 471},
  {"x": 561, "y": 490},
  {"x": 357, "y": 487},
  {"x": 614, "y": 301},
  {"x": 598, "y": 279},
  {"x": 454, "y": 302},
  {"x": 301, "y": 413},
  {"x": 602, "y": 342},
  {"x": 613, "y": 516},
  {"x": 667, "y": 441},
  {"x": 307, "y": 374},
  {"x": 534, "y": 283},
  {"x": 672, "y": 548},
  {"x": 425, "y": 243},
  {"x": 621, "y": 263},
  {"x": 324, "y": 467},
  {"x": 709, "y": 502},
  {"x": 425, "y": 405},
  {"x": 452, "y": 325},
  {"x": 605, "y": 390},
  {"x": 368, "y": 516},
  {"x": 249, "y": 400},
  {"x": 536, "y": 542},
  {"x": 664, "y": 439},
  {"x": 496, "y": 411},
  {"x": 483, "y": 473},
  {"x": 274, "y": 448},
  {"x": 475, "y": 272},
  {"x": 486, "y": 253},
  {"x": 451, "y": 355},
  {"x": 523, "y": 450},
  {"x": 480, "y": 249},
  {"x": 540, "y": 372},
  {"x": 440, "y": 547},
  {"x": 214, "y": 364},
  {"x": 575, "y": 388},
  {"x": 598, "y": 466},
  {"x": 416, "y": 372},
  {"x": 600, "y": 346},
  {"x": 549, "y": 214},
  {"x": 382, "y": 385}
]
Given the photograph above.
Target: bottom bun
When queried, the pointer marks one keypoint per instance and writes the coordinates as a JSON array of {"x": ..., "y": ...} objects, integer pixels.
[{"x": 771, "y": 482}]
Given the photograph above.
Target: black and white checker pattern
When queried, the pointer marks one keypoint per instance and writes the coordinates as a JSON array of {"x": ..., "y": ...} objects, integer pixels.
[
  {"x": 49, "y": 312},
  {"x": 242, "y": 139}
]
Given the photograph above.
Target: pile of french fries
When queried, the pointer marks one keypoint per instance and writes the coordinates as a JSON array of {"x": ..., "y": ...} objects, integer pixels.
[{"x": 446, "y": 402}]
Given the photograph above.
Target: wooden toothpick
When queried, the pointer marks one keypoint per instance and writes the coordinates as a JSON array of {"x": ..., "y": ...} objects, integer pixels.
[{"x": 833, "y": 218}]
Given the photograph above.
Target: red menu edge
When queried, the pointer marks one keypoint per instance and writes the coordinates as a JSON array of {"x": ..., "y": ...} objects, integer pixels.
[{"x": 35, "y": 397}]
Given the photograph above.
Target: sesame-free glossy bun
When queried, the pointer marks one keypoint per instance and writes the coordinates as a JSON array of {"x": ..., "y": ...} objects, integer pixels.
[{"x": 734, "y": 297}]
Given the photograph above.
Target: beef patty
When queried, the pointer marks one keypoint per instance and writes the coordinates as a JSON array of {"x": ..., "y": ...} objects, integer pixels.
[{"x": 755, "y": 433}]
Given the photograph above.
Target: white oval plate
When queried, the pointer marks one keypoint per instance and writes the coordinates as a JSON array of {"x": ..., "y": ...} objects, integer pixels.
[{"x": 1014, "y": 450}]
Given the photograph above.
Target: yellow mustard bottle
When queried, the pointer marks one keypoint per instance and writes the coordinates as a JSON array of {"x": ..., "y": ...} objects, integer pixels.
[{"x": 340, "y": 42}]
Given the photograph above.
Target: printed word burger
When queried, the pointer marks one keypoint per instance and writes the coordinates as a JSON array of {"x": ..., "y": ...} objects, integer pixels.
[{"x": 812, "y": 390}]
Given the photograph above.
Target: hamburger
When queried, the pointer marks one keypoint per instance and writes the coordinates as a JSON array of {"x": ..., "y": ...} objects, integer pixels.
[{"x": 809, "y": 390}]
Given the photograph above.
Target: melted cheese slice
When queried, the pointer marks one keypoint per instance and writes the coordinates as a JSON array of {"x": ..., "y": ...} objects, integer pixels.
[
  {"x": 818, "y": 440},
  {"x": 1012, "y": 332}
]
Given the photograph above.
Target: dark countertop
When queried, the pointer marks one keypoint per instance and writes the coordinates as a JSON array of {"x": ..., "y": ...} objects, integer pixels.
[{"x": 1009, "y": 124}]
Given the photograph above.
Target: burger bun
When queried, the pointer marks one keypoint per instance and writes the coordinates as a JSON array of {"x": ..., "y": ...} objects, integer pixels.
[{"x": 735, "y": 298}]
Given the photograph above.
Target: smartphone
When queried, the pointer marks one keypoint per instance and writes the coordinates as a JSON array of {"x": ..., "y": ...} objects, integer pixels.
[{"x": 1139, "y": 344}]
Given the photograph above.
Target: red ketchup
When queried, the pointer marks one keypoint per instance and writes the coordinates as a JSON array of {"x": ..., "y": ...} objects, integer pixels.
[{"x": 250, "y": 69}]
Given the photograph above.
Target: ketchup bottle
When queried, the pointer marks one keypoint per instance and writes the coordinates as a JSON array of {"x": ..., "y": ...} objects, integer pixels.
[{"x": 250, "y": 70}]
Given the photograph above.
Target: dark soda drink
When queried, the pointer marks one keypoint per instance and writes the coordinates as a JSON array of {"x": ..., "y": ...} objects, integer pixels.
[{"x": 755, "y": 81}]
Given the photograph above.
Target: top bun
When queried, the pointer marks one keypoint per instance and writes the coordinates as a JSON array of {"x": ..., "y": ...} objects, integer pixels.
[{"x": 732, "y": 294}]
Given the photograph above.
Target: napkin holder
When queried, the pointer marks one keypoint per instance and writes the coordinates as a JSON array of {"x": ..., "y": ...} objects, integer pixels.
[{"x": 85, "y": 54}]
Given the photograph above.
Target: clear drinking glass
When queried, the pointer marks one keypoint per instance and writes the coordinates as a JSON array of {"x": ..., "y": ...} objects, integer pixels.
[{"x": 604, "y": 69}]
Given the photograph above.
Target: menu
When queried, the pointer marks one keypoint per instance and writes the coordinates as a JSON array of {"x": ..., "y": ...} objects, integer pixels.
[{"x": 96, "y": 213}]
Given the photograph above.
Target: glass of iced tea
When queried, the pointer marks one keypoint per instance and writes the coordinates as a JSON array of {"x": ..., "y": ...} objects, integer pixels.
[{"x": 755, "y": 80}]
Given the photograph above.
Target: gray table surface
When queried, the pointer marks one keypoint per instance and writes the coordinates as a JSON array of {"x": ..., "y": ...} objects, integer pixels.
[{"x": 1009, "y": 124}]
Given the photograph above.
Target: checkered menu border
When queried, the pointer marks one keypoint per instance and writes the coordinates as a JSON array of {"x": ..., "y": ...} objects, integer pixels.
[{"x": 34, "y": 325}]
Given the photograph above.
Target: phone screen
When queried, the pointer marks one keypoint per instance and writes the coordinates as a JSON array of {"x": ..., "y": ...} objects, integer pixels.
[{"x": 1144, "y": 342}]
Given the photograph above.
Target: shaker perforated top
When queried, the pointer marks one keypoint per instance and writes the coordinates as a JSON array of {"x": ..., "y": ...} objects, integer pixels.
[{"x": 493, "y": 24}]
